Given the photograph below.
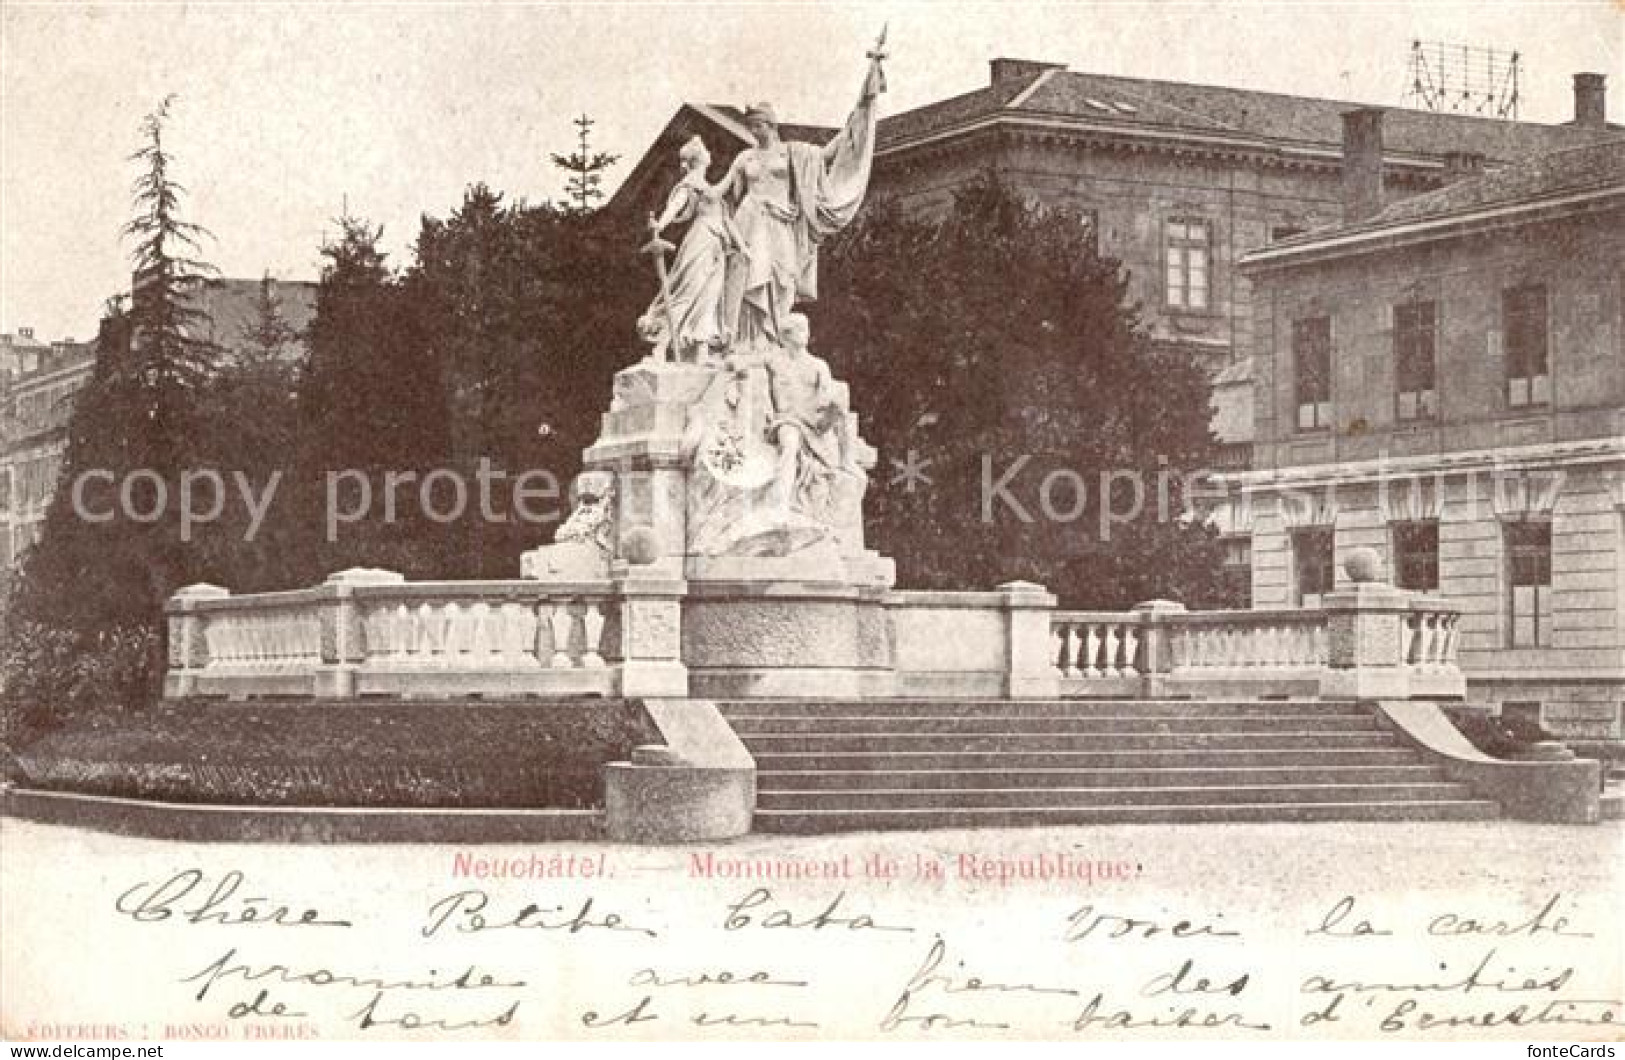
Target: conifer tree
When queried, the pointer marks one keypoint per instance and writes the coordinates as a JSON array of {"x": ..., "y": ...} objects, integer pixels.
[
  {"x": 584, "y": 188},
  {"x": 87, "y": 612}
]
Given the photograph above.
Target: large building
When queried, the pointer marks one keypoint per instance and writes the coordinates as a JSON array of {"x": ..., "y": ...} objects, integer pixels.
[
  {"x": 36, "y": 401},
  {"x": 1177, "y": 181},
  {"x": 1442, "y": 379},
  {"x": 38, "y": 382}
]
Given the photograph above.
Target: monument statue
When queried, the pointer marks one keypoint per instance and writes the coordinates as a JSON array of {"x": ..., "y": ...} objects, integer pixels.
[
  {"x": 791, "y": 197},
  {"x": 733, "y": 449},
  {"x": 686, "y": 318}
]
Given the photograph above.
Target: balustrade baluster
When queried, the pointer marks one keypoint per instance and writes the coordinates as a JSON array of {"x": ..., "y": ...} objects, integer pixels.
[
  {"x": 1131, "y": 649},
  {"x": 562, "y": 622},
  {"x": 593, "y": 627},
  {"x": 1092, "y": 642}
]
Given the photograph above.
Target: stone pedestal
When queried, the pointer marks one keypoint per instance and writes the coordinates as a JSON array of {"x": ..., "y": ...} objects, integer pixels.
[
  {"x": 1365, "y": 655},
  {"x": 771, "y": 639},
  {"x": 651, "y": 634},
  {"x": 729, "y": 594}
]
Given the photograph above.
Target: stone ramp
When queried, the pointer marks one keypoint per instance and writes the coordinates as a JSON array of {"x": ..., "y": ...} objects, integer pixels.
[{"x": 833, "y": 766}]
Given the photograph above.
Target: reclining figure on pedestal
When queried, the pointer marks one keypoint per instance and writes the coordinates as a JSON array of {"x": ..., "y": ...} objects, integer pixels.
[{"x": 584, "y": 543}]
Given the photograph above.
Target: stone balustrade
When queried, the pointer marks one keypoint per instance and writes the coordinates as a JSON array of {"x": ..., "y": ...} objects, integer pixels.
[
  {"x": 1097, "y": 652},
  {"x": 1161, "y": 649},
  {"x": 372, "y": 632},
  {"x": 366, "y": 632}
]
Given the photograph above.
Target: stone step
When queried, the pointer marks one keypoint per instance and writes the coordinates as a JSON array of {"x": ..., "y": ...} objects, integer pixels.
[
  {"x": 873, "y": 742},
  {"x": 1070, "y": 708},
  {"x": 1018, "y": 796},
  {"x": 1235, "y": 776},
  {"x": 751, "y": 725},
  {"x": 825, "y": 821},
  {"x": 786, "y": 759}
]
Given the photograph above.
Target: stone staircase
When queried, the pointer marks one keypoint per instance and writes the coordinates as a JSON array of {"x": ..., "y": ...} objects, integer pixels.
[{"x": 849, "y": 766}]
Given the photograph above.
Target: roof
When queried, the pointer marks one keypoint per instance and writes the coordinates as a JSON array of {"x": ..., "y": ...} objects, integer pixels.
[
  {"x": 1547, "y": 180},
  {"x": 1563, "y": 172},
  {"x": 1269, "y": 116},
  {"x": 1033, "y": 91}
]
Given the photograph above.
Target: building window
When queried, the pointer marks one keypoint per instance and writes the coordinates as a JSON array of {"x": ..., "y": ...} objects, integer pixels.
[
  {"x": 1529, "y": 584},
  {"x": 1416, "y": 556},
  {"x": 1312, "y": 372},
  {"x": 1415, "y": 333},
  {"x": 1238, "y": 571},
  {"x": 1280, "y": 232},
  {"x": 1186, "y": 251},
  {"x": 1312, "y": 569},
  {"x": 1523, "y": 337}
]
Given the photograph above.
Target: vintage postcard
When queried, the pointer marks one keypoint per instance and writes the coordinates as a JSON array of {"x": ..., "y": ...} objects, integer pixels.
[{"x": 824, "y": 522}]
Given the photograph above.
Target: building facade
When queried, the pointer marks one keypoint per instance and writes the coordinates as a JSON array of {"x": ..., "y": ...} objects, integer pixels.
[
  {"x": 1442, "y": 379},
  {"x": 36, "y": 402}
]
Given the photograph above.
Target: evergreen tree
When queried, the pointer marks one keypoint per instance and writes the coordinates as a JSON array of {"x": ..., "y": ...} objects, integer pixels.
[
  {"x": 86, "y": 613},
  {"x": 165, "y": 365},
  {"x": 584, "y": 188},
  {"x": 996, "y": 344},
  {"x": 527, "y": 310},
  {"x": 267, "y": 339},
  {"x": 370, "y": 402},
  {"x": 252, "y": 436}
]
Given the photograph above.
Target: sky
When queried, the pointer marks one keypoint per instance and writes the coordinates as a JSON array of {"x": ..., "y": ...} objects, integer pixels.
[{"x": 288, "y": 112}]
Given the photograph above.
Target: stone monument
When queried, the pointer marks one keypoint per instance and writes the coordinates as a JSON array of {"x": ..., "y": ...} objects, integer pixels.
[{"x": 730, "y": 467}]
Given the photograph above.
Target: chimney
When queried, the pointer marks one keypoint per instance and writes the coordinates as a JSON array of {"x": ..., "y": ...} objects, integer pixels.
[
  {"x": 1590, "y": 100},
  {"x": 1362, "y": 163},
  {"x": 1008, "y": 71},
  {"x": 1462, "y": 165},
  {"x": 26, "y": 333}
]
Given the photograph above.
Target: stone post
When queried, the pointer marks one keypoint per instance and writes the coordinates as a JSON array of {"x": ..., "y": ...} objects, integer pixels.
[
  {"x": 1029, "y": 670},
  {"x": 651, "y": 618},
  {"x": 188, "y": 645},
  {"x": 1365, "y": 634},
  {"x": 1156, "y": 622},
  {"x": 652, "y": 636},
  {"x": 344, "y": 647}
]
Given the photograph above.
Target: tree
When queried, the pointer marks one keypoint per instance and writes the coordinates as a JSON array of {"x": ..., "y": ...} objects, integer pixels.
[
  {"x": 87, "y": 609},
  {"x": 529, "y": 312},
  {"x": 994, "y": 343},
  {"x": 583, "y": 189},
  {"x": 251, "y": 438},
  {"x": 370, "y": 403},
  {"x": 165, "y": 365},
  {"x": 265, "y": 341}
]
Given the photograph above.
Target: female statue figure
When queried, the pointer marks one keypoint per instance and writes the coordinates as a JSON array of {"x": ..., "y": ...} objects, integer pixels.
[
  {"x": 791, "y": 197},
  {"x": 686, "y": 316}
]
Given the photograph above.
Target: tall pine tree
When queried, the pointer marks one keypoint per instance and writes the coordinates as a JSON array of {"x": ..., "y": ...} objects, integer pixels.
[{"x": 87, "y": 622}]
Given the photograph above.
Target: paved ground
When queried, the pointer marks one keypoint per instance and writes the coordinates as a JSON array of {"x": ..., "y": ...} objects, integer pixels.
[{"x": 1432, "y": 930}]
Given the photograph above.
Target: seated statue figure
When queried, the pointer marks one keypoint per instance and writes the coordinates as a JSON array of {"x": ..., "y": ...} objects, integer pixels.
[{"x": 808, "y": 424}]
